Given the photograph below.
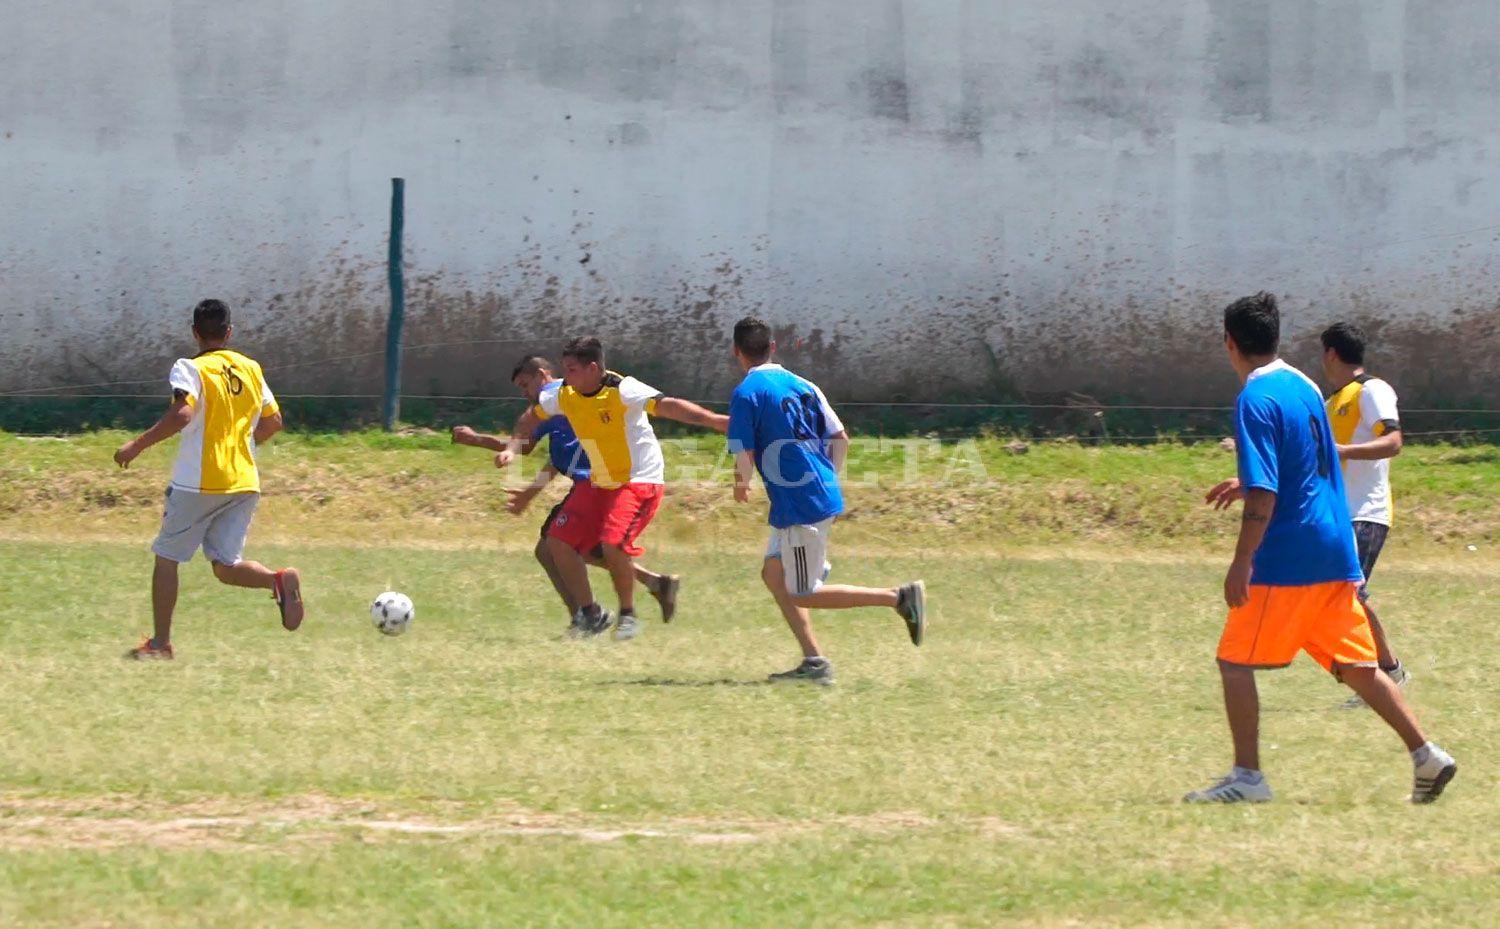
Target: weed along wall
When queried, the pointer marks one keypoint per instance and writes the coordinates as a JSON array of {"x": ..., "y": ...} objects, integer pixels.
[{"x": 930, "y": 200}]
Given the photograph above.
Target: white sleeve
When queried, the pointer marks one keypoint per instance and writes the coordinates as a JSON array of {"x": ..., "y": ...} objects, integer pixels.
[
  {"x": 832, "y": 425},
  {"x": 1377, "y": 404},
  {"x": 637, "y": 395},
  {"x": 185, "y": 377},
  {"x": 547, "y": 402}
]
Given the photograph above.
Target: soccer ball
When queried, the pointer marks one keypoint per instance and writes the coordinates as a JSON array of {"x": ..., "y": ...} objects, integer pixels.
[{"x": 392, "y": 612}]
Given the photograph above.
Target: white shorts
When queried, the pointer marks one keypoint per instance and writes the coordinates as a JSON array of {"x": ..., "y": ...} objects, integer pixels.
[
  {"x": 803, "y": 551},
  {"x": 218, "y": 523}
]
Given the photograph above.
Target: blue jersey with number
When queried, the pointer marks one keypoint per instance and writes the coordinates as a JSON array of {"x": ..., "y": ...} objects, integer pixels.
[
  {"x": 787, "y": 422},
  {"x": 567, "y": 456},
  {"x": 1284, "y": 444}
]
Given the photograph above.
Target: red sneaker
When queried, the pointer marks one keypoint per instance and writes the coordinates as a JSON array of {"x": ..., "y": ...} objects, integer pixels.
[
  {"x": 148, "y": 651},
  {"x": 286, "y": 588}
]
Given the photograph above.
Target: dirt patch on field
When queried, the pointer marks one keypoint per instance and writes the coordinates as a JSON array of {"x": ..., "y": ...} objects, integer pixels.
[{"x": 114, "y": 821}]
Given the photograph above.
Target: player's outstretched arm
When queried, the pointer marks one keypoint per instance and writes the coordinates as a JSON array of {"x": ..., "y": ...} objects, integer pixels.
[
  {"x": 520, "y": 441},
  {"x": 176, "y": 419},
  {"x": 463, "y": 435},
  {"x": 686, "y": 411},
  {"x": 1224, "y": 494}
]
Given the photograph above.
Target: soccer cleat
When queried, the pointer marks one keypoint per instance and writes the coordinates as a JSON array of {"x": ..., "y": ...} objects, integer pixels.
[
  {"x": 149, "y": 651},
  {"x": 1431, "y": 777},
  {"x": 286, "y": 590},
  {"x": 810, "y": 671},
  {"x": 1399, "y": 676},
  {"x": 627, "y": 628},
  {"x": 911, "y": 603},
  {"x": 666, "y": 595},
  {"x": 1231, "y": 789}
]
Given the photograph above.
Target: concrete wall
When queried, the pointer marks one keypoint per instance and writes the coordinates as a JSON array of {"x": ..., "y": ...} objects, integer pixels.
[{"x": 925, "y": 194}]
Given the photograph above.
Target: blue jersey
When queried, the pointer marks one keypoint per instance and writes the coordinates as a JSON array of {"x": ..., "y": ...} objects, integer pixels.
[
  {"x": 1284, "y": 444},
  {"x": 787, "y": 422},
  {"x": 567, "y": 456}
]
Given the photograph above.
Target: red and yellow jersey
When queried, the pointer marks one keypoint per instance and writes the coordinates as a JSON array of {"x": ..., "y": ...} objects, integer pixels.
[
  {"x": 613, "y": 426},
  {"x": 228, "y": 395},
  {"x": 1363, "y": 411}
]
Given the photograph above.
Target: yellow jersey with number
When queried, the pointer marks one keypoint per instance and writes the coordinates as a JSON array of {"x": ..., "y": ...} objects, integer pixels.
[
  {"x": 613, "y": 426},
  {"x": 228, "y": 395}
]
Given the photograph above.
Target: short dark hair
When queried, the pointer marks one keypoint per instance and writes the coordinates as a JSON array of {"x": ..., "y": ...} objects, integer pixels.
[
  {"x": 1254, "y": 323},
  {"x": 1347, "y": 341},
  {"x": 531, "y": 364},
  {"x": 211, "y": 319},
  {"x": 586, "y": 349},
  {"x": 752, "y": 336}
]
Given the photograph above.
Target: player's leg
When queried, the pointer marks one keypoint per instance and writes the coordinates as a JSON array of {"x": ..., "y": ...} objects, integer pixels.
[
  {"x": 543, "y": 553},
  {"x": 163, "y": 602},
  {"x": 1242, "y": 707},
  {"x": 1370, "y": 540},
  {"x": 572, "y": 570},
  {"x": 814, "y": 667},
  {"x": 183, "y": 526},
  {"x": 805, "y": 551},
  {"x": 573, "y": 531},
  {"x": 224, "y": 543},
  {"x": 626, "y": 513},
  {"x": 662, "y": 587}
]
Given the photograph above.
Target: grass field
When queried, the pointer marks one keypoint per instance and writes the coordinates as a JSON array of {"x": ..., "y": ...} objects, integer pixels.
[{"x": 1022, "y": 768}]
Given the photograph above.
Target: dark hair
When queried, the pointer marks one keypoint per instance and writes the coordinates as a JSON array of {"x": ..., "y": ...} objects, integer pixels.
[
  {"x": 1347, "y": 341},
  {"x": 531, "y": 364},
  {"x": 585, "y": 349},
  {"x": 752, "y": 336},
  {"x": 1254, "y": 323},
  {"x": 211, "y": 319}
]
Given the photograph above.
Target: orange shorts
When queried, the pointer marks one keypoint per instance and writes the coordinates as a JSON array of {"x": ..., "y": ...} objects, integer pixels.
[{"x": 1325, "y": 620}]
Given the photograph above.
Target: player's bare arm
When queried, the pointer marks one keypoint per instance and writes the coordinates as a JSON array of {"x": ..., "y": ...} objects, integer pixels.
[
  {"x": 1387, "y": 446},
  {"x": 176, "y": 419},
  {"x": 521, "y": 497},
  {"x": 744, "y": 469},
  {"x": 686, "y": 411},
  {"x": 1259, "y": 505},
  {"x": 838, "y": 450},
  {"x": 520, "y": 442},
  {"x": 268, "y": 427},
  {"x": 464, "y": 435},
  {"x": 1224, "y": 494}
]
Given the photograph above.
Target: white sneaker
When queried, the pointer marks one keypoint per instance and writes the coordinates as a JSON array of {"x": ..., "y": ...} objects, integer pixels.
[
  {"x": 1432, "y": 776},
  {"x": 1232, "y": 789},
  {"x": 1399, "y": 676}
]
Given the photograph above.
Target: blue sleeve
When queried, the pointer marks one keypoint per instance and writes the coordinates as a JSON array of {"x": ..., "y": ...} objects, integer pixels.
[
  {"x": 1257, "y": 446},
  {"x": 542, "y": 428},
  {"x": 741, "y": 423}
]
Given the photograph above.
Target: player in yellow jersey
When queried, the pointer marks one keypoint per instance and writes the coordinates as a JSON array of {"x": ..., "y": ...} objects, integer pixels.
[
  {"x": 610, "y": 413},
  {"x": 223, "y": 408},
  {"x": 1367, "y": 430}
]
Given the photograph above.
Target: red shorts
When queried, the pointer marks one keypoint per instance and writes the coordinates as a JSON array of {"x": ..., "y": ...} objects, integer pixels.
[{"x": 592, "y": 516}]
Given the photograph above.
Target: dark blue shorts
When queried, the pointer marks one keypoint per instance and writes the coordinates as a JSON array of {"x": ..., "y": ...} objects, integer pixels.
[{"x": 1370, "y": 539}]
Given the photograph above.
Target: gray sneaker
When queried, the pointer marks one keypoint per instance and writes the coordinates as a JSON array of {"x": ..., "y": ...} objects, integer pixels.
[
  {"x": 585, "y": 626},
  {"x": 810, "y": 671},
  {"x": 627, "y": 628},
  {"x": 1398, "y": 675},
  {"x": 911, "y": 603}
]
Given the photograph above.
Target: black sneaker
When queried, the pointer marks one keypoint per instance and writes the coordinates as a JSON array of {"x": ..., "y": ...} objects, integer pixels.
[
  {"x": 811, "y": 671},
  {"x": 589, "y": 622},
  {"x": 911, "y": 603},
  {"x": 666, "y": 595}
]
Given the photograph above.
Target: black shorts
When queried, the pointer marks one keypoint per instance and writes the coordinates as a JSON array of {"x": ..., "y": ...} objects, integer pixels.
[{"x": 1369, "y": 538}]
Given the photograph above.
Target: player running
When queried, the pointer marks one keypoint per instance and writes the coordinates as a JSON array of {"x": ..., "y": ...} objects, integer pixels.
[
  {"x": 564, "y": 456},
  {"x": 610, "y": 413},
  {"x": 1367, "y": 430},
  {"x": 224, "y": 410},
  {"x": 783, "y": 426},
  {"x": 1293, "y": 584}
]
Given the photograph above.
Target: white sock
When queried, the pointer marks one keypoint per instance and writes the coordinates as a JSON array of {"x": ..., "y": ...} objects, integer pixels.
[
  {"x": 1429, "y": 752},
  {"x": 1248, "y": 775}
]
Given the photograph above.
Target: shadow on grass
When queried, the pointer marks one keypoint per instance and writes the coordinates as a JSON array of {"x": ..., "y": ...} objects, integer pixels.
[{"x": 675, "y": 682}]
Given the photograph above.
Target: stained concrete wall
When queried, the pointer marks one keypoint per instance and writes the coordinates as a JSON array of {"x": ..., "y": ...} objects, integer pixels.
[{"x": 926, "y": 196}]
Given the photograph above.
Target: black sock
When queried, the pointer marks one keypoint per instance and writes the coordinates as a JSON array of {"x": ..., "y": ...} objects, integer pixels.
[{"x": 627, "y": 611}]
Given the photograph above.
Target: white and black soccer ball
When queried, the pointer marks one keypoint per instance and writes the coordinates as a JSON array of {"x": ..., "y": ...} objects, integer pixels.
[{"x": 392, "y": 612}]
